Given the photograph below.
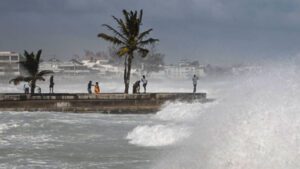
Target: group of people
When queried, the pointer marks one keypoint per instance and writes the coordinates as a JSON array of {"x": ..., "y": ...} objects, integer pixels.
[
  {"x": 96, "y": 87},
  {"x": 39, "y": 90},
  {"x": 136, "y": 85}
]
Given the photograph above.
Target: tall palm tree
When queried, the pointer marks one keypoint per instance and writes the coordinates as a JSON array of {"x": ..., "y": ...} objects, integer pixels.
[
  {"x": 30, "y": 64},
  {"x": 129, "y": 39}
]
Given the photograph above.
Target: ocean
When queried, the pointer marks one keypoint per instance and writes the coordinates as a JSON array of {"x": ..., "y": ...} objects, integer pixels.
[{"x": 253, "y": 123}]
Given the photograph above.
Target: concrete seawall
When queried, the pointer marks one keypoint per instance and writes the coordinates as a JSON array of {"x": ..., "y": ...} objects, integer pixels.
[{"x": 102, "y": 103}]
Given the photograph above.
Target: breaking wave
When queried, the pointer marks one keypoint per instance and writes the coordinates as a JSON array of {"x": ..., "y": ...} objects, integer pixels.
[
  {"x": 173, "y": 125},
  {"x": 254, "y": 124},
  {"x": 157, "y": 135}
]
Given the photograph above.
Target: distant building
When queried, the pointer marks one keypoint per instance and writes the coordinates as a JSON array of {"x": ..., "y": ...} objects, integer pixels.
[
  {"x": 184, "y": 69},
  {"x": 102, "y": 67},
  {"x": 9, "y": 63},
  {"x": 72, "y": 67},
  {"x": 51, "y": 64}
]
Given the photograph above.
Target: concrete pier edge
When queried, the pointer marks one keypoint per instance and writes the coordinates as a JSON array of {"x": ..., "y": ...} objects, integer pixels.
[{"x": 109, "y": 103}]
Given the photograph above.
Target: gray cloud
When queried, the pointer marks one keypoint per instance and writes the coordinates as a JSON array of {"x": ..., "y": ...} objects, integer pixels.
[{"x": 215, "y": 31}]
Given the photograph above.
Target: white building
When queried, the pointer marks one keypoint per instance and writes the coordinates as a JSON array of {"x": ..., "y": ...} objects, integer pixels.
[
  {"x": 184, "y": 70},
  {"x": 72, "y": 67},
  {"x": 103, "y": 67},
  {"x": 9, "y": 63}
]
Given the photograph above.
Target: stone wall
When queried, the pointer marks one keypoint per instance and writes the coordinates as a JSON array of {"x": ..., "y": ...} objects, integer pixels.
[{"x": 102, "y": 103}]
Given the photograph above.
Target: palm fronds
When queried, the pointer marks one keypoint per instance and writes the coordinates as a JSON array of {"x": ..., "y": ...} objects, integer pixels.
[
  {"x": 144, "y": 34},
  {"x": 122, "y": 51},
  {"x": 31, "y": 63},
  {"x": 115, "y": 31},
  {"x": 128, "y": 39},
  {"x": 148, "y": 41},
  {"x": 44, "y": 72},
  {"x": 111, "y": 39},
  {"x": 143, "y": 52},
  {"x": 19, "y": 79}
]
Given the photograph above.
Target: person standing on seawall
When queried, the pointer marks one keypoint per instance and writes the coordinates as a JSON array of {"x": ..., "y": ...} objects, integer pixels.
[
  {"x": 26, "y": 88},
  {"x": 51, "y": 86},
  {"x": 144, "y": 81},
  {"x": 97, "y": 88},
  {"x": 89, "y": 87},
  {"x": 195, "y": 79}
]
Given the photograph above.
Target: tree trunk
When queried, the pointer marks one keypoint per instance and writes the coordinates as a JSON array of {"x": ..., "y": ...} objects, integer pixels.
[
  {"x": 128, "y": 73},
  {"x": 125, "y": 75},
  {"x": 32, "y": 89}
]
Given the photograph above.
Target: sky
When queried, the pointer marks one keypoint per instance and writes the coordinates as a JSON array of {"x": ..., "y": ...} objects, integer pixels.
[{"x": 210, "y": 31}]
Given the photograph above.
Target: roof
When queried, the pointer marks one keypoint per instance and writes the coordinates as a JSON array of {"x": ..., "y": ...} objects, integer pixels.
[{"x": 2, "y": 53}]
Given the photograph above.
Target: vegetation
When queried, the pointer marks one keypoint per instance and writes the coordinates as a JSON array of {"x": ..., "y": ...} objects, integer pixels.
[
  {"x": 154, "y": 62},
  {"x": 129, "y": 40},
  {"x": 30, "y": 64}
]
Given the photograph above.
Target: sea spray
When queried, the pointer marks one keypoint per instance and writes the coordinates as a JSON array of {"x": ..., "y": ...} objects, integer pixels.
[
  {"x": 171, "y": 125},
  {"x": 181, "y": 111},
  {"x": 157, "y": 135},
  {"x": 255, "y": 124}
]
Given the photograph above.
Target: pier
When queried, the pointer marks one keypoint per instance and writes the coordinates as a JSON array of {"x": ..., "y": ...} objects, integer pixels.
[{"x": 114, "y": 103}]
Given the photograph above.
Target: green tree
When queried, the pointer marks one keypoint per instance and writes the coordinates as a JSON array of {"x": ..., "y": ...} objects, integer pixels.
[
  {"x": 30, "y": 64},
  {"x": 129, "y": 39}
]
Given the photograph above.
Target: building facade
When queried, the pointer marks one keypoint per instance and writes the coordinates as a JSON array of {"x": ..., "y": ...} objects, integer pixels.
[
  {"x": 9, "y": 63},
  {"x": 184, "y": 70}
]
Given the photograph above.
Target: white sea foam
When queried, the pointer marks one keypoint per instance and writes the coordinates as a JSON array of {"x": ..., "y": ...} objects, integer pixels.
[
  {"x": 4, "y": 127},
  {"x": 157, "y": 135},
  {"x": 256, "y": 124},
  {"x": 174, "y": 124},
  {"x": 180, "y": 111},
  {"x": 171, "y": 127}
]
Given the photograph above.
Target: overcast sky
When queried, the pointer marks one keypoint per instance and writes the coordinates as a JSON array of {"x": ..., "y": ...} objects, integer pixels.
[{"x": 211, "y": 31}]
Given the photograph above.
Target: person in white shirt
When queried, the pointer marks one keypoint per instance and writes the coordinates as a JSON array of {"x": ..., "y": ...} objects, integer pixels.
[
  {"x": 144, "y": 81},
  {"x": 195, "y": 79}
]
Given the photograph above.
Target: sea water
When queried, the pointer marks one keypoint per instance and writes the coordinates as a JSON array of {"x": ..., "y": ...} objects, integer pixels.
[{"x": 254, "y": 123}]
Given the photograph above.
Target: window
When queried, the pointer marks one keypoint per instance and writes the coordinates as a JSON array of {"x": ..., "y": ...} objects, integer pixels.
[
  {"x": 4, "y": 58},
  {"x": 14, "y": 57}
]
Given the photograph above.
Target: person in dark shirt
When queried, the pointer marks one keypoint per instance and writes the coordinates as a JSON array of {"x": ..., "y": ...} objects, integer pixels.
[
  {"x": 136, "y": 87},
  {"x": 51, "y": 86},
  {"x": 195, "y": 79},
  {"x": 89, "y": 87}
]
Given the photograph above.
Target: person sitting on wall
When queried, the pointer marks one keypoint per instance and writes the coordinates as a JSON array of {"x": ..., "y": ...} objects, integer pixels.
[
  {"x": 136, "y": 87},
  {"x": 97, "y": 88}
]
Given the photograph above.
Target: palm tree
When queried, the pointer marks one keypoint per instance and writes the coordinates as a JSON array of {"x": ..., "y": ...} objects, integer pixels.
[
  {"x": 129, "y": 39},
  {"x": 30, "y": 64}
]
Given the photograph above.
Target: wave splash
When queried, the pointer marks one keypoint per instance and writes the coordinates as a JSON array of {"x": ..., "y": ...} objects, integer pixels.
[
  {"x": 173, "y": 125},
  {"x": 157, "y": 135},
  {"x": 256, "y": 124}
]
